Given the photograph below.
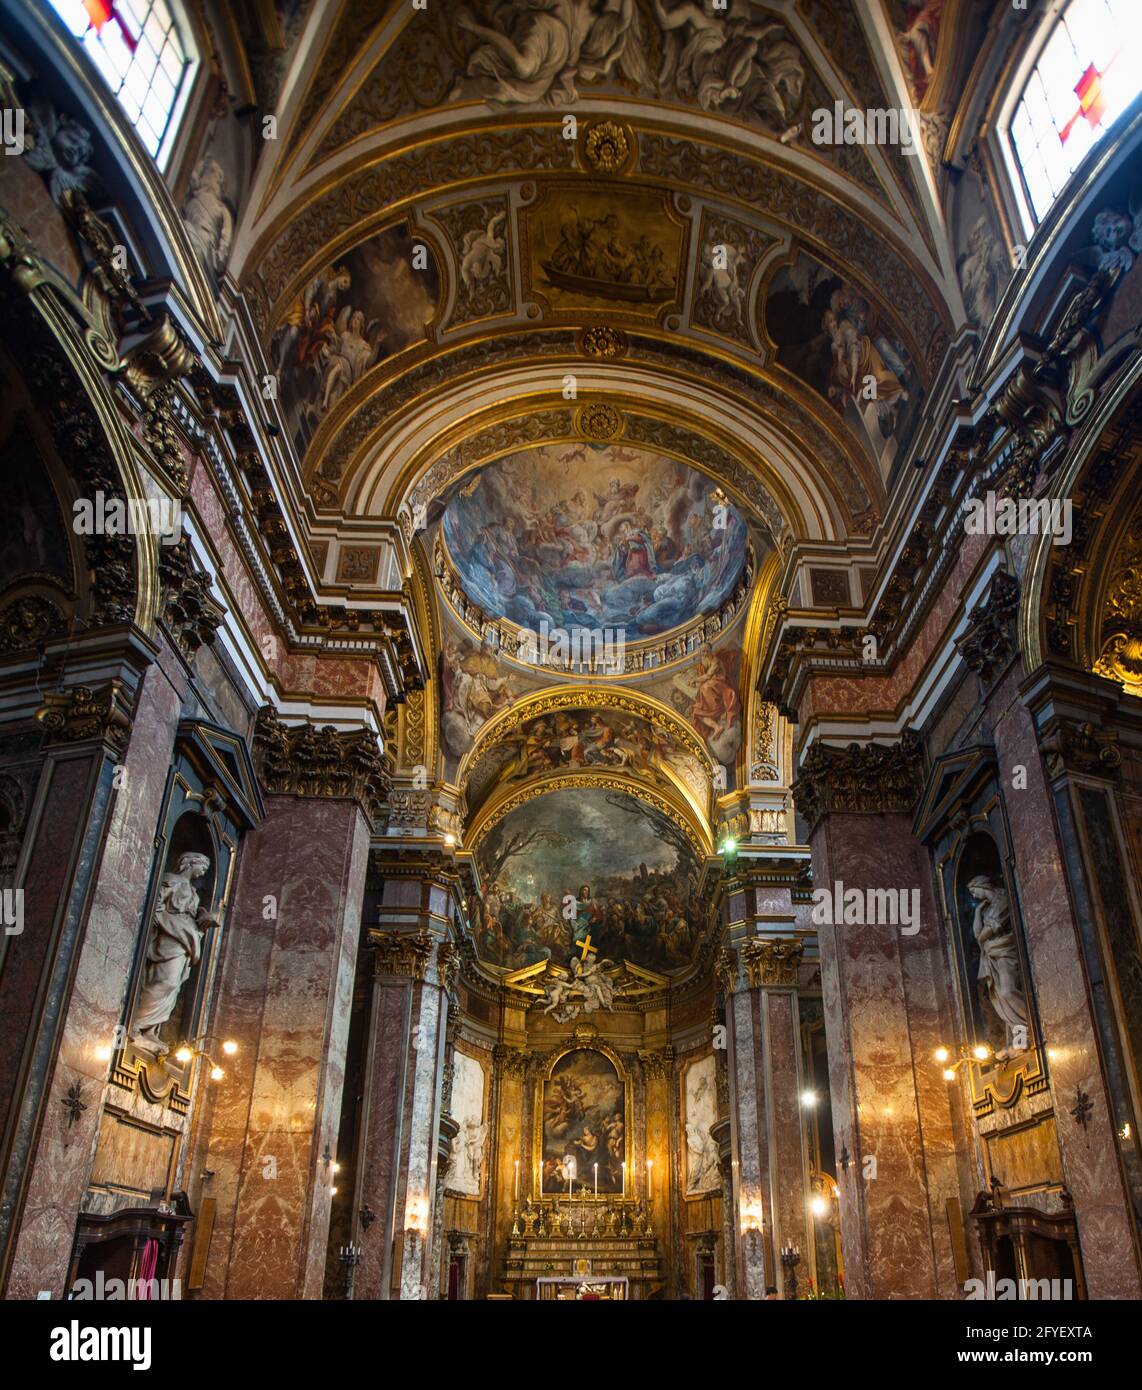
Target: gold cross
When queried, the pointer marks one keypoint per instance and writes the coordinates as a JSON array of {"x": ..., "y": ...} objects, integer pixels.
[{"x": 585, "y": 947}]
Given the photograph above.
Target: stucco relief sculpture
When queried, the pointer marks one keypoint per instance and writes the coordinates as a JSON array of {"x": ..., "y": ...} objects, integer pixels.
[
  {"x": 174, "y": 949},
  {"x": 999, "y": 969},
  {"x": 582, "y": 991}
]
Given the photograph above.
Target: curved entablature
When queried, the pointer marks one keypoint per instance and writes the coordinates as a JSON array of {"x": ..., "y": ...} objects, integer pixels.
[
  {"x": 825, "y": 486},
  {"x": 762, "y": 470}
]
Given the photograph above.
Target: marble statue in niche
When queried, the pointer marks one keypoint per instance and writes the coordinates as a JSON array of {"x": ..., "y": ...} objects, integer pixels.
[
  {"x": 468, "y": 1111},
  {"x": 703, "y": 1172},
  {"x": 1000, "y": 973},
  {"x": 173, "y": 950}
]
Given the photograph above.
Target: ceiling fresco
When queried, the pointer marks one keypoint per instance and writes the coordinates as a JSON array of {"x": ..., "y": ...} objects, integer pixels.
[
  {"x": 594, "y": 536},
  {"x": 587, "y": 861},
  {"x": 600, "y": 731},
  {"x": 360, "y": 309},
  {"x": 656, "y": 337}
]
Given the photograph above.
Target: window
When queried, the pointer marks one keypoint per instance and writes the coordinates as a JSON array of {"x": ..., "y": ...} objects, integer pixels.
[
  {"x": 1088, "y": 73},
  {"x": 141, "y": 55}
]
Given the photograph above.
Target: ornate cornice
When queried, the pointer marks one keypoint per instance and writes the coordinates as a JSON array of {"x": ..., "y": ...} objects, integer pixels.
[
  {"x": 989, "y": 642},
  {"x": 771, "y": 962},
  {"x": 191, "y": 614},
  {"x": 861, "y": 779},
  {"x": 304, "y": 760},
  {"x": 83, "y": 712}
]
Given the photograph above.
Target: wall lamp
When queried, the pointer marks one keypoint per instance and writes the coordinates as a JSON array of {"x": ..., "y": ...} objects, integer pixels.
[{"x": 978, "y": 1052}]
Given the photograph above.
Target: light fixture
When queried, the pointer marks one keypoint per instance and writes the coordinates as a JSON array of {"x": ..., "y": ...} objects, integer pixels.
[
  {"x": 808, "y": 1098},
  {"x": 103, "y": 1053},
  {"x": 216, "y": 1073},
  {"x": 335, "y": 1167},
  {"x": 728, "y": 845},
  {"x": 450, "y": 839},
  {"x": 818, "y": 1206},
  {"x": 188, "y": 1052},
  {"x": 977, "y": 1052},
  {"x": 184, "y": 1054},
  {"x": 230, "y": 1048}
]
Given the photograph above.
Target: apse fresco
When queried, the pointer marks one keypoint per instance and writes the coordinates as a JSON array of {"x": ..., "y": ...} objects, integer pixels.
[
  {"x": 365, "y": 306},
  {"x": 830, "y": 337},
  {"x": 584, "y": 1126},
  {"x": 586, "y": 861},
  {"x": 583, "y": 536}
]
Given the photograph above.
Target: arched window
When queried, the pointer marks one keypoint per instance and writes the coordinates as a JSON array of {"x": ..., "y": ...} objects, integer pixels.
[
  {"x": 142, "y": 55},
  {"x": 1086, "y": 74}
]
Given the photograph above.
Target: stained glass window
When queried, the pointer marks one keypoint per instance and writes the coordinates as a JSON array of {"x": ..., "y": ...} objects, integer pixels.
[
  {"x": 1088, "y": 73},
  {"x": 140, "y": 54}
]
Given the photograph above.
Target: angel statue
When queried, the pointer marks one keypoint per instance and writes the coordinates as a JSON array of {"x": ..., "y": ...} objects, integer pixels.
[
  {"x": 999, "y": 970},
  {"x": 482, "y": 255},
  {"x": 173, "y": 950},
  {"x": 581, "y": 991},
  {"x": 353, "y": 349}
]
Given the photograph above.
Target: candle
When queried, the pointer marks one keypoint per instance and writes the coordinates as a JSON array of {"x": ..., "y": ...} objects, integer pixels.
[
  {"x": 596, "y": 1179},
  {"x": 624, "y": 1178},
  {"x": 649, "y": 1178},
  {"x": 515, "y": 1193}
]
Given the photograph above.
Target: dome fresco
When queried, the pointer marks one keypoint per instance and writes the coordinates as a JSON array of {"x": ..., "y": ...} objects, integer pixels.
[{"x": 577, "y": 535}]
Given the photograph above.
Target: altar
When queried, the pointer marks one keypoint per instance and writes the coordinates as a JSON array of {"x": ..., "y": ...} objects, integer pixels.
[{"x": 583, "y": 1288}]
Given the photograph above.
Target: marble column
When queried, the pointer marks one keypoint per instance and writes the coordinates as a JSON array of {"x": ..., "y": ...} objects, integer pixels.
[
  {"x": 285, "y": 995},
  {"x": 1049, "y": 741},
  {"x": 65, "y": 976},
  {"x": 415, "y": 965},
  {"x": 887, "y": 1008}
]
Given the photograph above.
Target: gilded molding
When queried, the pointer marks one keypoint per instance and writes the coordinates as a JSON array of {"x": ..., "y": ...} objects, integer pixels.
[
  {"x": 401, "y": 953},
  {"x": 769, "y": 961}
]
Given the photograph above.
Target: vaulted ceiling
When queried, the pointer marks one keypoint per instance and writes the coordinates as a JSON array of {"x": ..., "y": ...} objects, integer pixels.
[{"x": 566, "y": 291}]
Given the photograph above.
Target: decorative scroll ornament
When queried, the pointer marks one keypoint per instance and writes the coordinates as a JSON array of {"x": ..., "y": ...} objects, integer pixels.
[
  {"x": 303, "y": 760},
  {"x": 1080, "y": 748},
  {"x": 771, "y": 962},
  {"x": 512, "y": 1061},
  {"x": 85, "y": 712},
  {"x": 401, "y": 953},
  {"x": 989, "y": 640},
  {"x": 860, "y": 779},
  {"x": 448, "y": 960}
]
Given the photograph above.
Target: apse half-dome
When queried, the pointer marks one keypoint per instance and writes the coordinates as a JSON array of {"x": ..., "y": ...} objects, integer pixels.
[
  {"x": 583, "y": 862},
  {"x": 576, "y": 535}
]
